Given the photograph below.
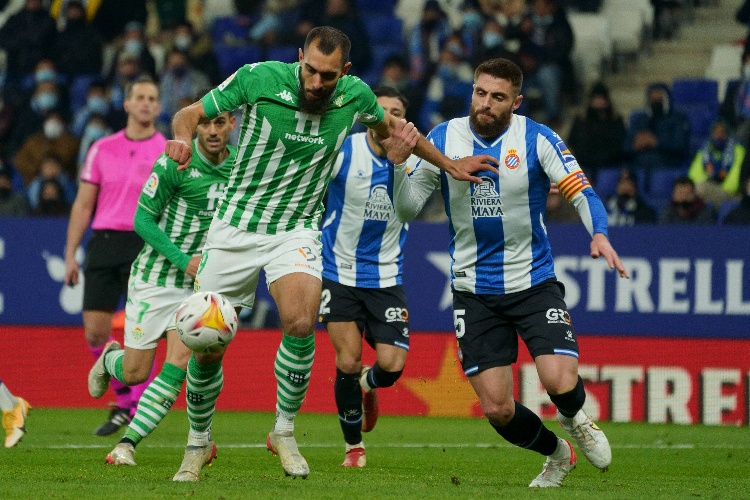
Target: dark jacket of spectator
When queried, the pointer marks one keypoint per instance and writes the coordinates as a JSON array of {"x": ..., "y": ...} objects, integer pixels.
[
  {"x": 660, "y": 136},
  {"x": 11, "y": 203},
  {"x": 596, "y": 138},
  {"x": 78, "y": 50},
  {"x": 28, "y": 37}
]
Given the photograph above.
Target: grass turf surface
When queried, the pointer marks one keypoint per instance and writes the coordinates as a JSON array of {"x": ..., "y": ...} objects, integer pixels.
[{"x": 407, "y": 458}]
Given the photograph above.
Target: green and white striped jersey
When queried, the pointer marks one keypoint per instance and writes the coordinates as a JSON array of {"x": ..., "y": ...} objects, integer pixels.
[
  {"x": 285, "y": 157},
  {"x": 183, "y": 204}
]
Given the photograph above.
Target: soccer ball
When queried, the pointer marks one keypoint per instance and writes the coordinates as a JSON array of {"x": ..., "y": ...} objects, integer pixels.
[{"x": 206, "y": 322}]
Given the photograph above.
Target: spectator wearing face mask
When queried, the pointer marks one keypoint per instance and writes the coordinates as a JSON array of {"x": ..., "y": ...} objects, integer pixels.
[
  {"x": 50, "y": 169},
  {"x": 53, "y": 140},
  {"x": 659, "y": 137},
  {"x": 79, "y": 47},
  {"x": 716, "y": 167},
  {"x": 97, "y": 103},
  {"x": 199, "y": 49},
  {"x": 626, "y": 207},
  {"x": 491, "y": 43},
  {"x": 52, "y": 202},
  {"x": 11, "y": 203},
  {"x": 596, "y": 137},
  {"x": 96, "y": 128},
  {"x": 425, "y": 41},
  {"x": 44, "y": 100},
  {"x": 686, "y": 206},
  {"x": 180, "y": 80},
  {"x": 133, "y": 42},
  {"x": 449, "y": 90}
]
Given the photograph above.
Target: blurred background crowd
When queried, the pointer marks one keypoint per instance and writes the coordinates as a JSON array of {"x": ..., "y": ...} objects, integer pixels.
[{"x": 676, "y": 156}]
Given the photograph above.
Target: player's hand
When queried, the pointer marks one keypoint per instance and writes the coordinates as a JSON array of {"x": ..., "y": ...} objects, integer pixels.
[
  {"x": 71, "y": 272},
  {"x": 600, "y": 246},
  {"x": 402, "y": 141},
  {"x": 553, "y": 189},
  {"x": 179, "y": 151},
  {"x": 464, "y": 168},
  {"x": 192, "y": 267}
]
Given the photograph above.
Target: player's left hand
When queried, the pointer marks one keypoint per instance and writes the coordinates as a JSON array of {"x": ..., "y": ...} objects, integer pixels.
[
  {"x": 600, "y": 246},
  {"x": 401, "y": 142}
]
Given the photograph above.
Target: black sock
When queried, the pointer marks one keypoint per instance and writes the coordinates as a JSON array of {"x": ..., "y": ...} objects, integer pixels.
[
  {"x": 569, "y": 403},
  {"x": 349, "y": 403},
  {"x": 526, "y": 430},
  {"x": 377, "y": 377}
]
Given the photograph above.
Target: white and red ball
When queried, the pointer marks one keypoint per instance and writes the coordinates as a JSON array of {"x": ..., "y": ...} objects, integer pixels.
[{"x": 206, "y": 322}]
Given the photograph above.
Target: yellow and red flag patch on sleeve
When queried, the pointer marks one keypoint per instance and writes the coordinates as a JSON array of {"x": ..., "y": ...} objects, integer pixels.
[{"x": 573, "y": 183}]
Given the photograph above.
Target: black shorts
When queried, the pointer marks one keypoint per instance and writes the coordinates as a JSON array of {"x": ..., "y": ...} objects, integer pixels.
[
  {"x": 380, "y": 313},
  {"x": 488, "y": 326},
  {"x": 109, "y": 255}
]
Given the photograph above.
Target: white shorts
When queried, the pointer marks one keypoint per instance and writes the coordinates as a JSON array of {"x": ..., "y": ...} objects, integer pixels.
[
  {"x": 150, "y": 312},
  {"x": 232, "y": 260}
]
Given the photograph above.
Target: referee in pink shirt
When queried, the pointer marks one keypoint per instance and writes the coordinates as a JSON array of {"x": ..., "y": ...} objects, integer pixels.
[{"x": 113, "y": 175}]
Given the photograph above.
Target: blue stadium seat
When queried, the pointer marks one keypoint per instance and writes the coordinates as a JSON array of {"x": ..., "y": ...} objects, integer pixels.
[
  {"x": 725, "y": 208},
  {"x": 696, "y": 91},
  {"x": 230, "y": 59},
  {"x": 231, "y": 27},
  {"x": 384, "y": 29},
  {"x": 662, "y": 182},
  {"x": 283, "y": 53},
  {"x": 701, "y": 118},
  {"x": 366, "y": 7},
  {"x": 606, "y": 181},
  {"x": 79, "y": 87}
]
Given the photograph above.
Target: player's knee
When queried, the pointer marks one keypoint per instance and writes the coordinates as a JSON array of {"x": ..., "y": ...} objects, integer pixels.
[
  {"x": 135, "y": 375},
  {"x": 299, "y": 327},
  {"x": 349, "y": 364},
  {"x": 498, "y": 413}
]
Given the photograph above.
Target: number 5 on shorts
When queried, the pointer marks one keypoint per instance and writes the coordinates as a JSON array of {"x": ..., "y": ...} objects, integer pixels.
[{"x": 458, "y": 322}]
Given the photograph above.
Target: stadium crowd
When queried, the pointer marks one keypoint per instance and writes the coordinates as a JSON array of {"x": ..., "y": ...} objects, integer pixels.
[{"x": 64, "y": 66}]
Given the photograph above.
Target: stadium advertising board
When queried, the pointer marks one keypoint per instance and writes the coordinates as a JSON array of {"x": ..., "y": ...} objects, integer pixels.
[
  {"x": 687, "y": 281},
  {"x": 627, "y": 379}
]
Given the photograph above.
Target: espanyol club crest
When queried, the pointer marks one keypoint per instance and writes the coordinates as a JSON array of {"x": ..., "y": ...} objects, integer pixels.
[{"x": 512, "y": 161}]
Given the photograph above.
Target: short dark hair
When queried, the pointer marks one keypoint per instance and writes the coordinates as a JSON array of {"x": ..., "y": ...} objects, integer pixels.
[
  {"x": 329, "y": 39},
  {"x": 384, "y": 91},
  {"x": 502, "y": 68},
  {"x": 683, "y": 180},
  {"x": 140, "y": 79}
]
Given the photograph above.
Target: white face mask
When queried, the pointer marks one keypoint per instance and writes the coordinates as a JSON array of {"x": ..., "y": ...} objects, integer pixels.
[{"x": 53, "y": 129}]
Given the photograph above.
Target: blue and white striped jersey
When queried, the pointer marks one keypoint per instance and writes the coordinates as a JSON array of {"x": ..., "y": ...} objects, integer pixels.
[
  {"x": 362, "y": 237},
  {"x": 498, "y": 238}
]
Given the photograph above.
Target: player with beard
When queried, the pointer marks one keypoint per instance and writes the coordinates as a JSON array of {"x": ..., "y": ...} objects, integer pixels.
[
  {"x": 295, "y": 119},
  {"x": 502, "y": 274}
]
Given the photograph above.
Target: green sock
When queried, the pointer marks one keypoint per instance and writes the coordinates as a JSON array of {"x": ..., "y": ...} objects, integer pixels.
[
  {"x": 204, "y": 383},
  {"x": 294, "y": 361},
  {"x": 155, "y": 402},
  {"x": 113, "y": 364}
]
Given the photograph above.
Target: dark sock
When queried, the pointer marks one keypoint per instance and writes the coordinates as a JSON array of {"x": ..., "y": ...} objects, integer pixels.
[
  {"x": 526, "y": 430},
  {"x": 569, "y": 403},
  {"x": 349, "y": 403},
  {"x": 377, "y": 377},
  {"x": 128, "y": 441}
]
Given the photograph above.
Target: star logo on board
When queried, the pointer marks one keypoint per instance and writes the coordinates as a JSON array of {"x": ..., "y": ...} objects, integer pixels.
[
  {"x": 286, "y": 96},
  {"x": 449, "y": 393},
  {"x": 442, "y": 260}
]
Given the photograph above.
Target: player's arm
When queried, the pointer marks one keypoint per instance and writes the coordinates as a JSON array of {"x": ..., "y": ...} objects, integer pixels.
[
  {"x": 410, "y": 192},
  {"x": 573, "y": 184},
  {"x": 154, "y": 199},
  {"x": 80, "y": 217},
  {"x": 184, "y": 124},
  {"x": 460, "y": 169}
]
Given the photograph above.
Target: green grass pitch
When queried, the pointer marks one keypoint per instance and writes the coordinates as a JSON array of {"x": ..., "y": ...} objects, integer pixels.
[{"x": 407, "y": 457}]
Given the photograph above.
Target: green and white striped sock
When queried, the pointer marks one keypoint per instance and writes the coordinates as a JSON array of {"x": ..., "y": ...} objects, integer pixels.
[
  {"x": 155, "y": 402},
  {"x": 204, "y": 383},
  {"x": 292, "y": 368},
  {"x": 113, "y": 364}
]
